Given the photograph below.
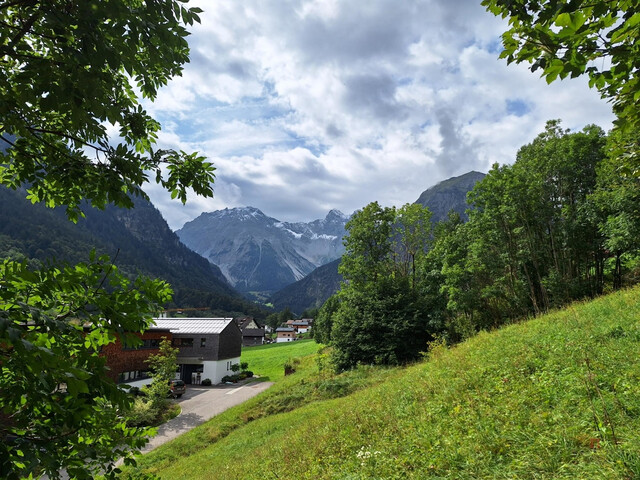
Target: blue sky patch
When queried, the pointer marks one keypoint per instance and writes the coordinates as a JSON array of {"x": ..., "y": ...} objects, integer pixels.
[{"x": 517, "y": 107}]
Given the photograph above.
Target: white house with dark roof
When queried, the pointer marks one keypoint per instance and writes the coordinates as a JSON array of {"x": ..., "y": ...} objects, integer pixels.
[
  {"x": 285, "y": 334},
  {"x": 207, "y": 347}
]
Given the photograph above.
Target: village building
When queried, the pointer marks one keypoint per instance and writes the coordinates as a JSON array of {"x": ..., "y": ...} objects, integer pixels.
[
  {"x": 252, "y": 332},
  {"x": 207, "y": 348},
  {"x": 285, "y": 334},
  {"x": 126, "y": 363}
]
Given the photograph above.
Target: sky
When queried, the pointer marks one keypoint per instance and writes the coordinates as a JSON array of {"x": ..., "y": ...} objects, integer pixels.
[{"x": 304, "y": 106}]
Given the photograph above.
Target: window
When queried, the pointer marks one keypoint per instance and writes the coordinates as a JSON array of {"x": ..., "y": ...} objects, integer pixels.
[
  {"x": 146, "y": 344},
  {"x": 133, "y": 375},
  {"x": 182, "y": 342},
  {"x": 203, "y": 342}
]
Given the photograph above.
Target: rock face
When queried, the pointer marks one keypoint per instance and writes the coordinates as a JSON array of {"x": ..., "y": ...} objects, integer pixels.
[
  {"x": 257, "y": 253},
  {"x": 449, "y": 195}
]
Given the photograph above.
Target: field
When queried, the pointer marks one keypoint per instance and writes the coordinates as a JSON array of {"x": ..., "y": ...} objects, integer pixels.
[
  {"x": 267, "y": 360},
  {"x": 557, "y": 397}
]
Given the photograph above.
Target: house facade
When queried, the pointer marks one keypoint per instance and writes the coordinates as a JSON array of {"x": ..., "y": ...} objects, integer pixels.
[
  {"x": 285, "y": 334},
  {"x": 207, "y": 347},
  {"x": 126, "y": 363},
  {"x": 252, "y": 332}
]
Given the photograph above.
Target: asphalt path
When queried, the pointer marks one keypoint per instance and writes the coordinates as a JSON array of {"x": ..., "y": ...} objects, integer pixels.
[{"x": 199, "y": 404}]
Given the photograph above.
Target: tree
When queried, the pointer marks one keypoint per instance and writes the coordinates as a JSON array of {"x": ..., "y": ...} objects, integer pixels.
[
  {"x": 67, "y": 74},
  {"x": 381, "y": 314},
  {"x": 532, "y": 241},
  {"x": 324, "y": 320},
  {"x": 163, "y": 369},
  {"x": 598, "y": 38}
]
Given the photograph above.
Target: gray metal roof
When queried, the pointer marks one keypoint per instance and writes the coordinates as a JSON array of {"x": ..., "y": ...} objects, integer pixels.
[{"x": 193, "y": 325}]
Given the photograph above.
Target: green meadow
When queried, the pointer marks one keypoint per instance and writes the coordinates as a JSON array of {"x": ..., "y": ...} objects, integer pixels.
[
  {"x": 268, "y": 361},
  {"x": 555, "y": 397}
]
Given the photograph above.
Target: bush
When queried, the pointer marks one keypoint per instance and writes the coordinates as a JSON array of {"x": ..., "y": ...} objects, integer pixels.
[
  {"x": 143, "y": 413},
  {"x": 230, "y": 378},
  {"x": 206, "y": 382},
  {"x": 248, "y": 373},
  {"x": 136, "y": 392}
]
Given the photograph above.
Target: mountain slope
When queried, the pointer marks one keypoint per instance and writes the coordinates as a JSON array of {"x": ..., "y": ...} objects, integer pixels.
[
  {"x": 557, "y": 397},
  {"x": 450, "y": 194},
  {"x": 139, "y": 239},
  {"x": 259, "y": 253},
  {"x": 310, "y": 292},
  {"x": 313, "y": 290}
]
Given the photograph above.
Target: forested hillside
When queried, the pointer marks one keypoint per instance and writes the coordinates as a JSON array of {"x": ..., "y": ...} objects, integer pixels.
[
  {"x": 560, "y": 224},
  {"x": 138, "y": 239},
  {"x": 313, "y": 290}
]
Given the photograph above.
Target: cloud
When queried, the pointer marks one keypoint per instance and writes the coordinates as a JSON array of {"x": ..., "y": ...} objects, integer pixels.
[{"x": 308, "y": 105}]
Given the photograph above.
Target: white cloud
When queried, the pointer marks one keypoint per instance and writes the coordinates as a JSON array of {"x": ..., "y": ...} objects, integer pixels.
[{"x": 307, "y": 105}]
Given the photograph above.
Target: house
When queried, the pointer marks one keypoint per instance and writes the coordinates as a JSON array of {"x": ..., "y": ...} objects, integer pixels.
[
  {"x": 252, "y": 331},
  {"x": 285, "y": 334},
  {"x": 126, "y": 363},
  {"x": 207, "y": 347},
  {"x": 301, "y": 326}
]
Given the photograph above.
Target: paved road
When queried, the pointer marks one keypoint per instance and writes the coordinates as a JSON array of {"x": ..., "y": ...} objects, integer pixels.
[{"x": 199, "y": 404}]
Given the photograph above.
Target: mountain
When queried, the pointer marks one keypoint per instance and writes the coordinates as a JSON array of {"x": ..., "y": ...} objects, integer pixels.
[
  {"x": 139, "y": 239},
  {"x": 313, "y": 290},
  {"x": 450, "y": 194},
  {"x": 310, "y": 292},
  {"x": 257, "y": 253}
]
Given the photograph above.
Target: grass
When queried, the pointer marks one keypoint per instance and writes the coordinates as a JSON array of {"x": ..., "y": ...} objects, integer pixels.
[
  {"x": 268, "y": 360},
  {"x": 556, "y": 397}
]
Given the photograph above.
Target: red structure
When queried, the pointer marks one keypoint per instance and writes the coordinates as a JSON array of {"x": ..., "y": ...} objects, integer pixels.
[{"x": 127, "y": 364}]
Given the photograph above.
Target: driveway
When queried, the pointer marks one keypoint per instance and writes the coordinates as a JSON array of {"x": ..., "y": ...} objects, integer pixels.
[{"x": 200, "y": 403}]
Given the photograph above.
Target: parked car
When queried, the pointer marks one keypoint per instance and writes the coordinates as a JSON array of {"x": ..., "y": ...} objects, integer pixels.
[{"x": 177, "y": 388}]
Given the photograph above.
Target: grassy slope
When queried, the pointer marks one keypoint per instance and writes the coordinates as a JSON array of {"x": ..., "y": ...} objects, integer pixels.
[
  {"x": 268, "y": 360},
  {"x": 534, "y": 400}
]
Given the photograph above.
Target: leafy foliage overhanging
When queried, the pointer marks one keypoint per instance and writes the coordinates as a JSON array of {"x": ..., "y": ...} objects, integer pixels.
[
  {"x": 66, "y": 76},
  {"x": 569, "y": 38}
]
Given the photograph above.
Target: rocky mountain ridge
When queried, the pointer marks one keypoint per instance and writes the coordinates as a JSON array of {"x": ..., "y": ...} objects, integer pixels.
[
  {"x": 313, "y": 290},
  {"x": 258, "y": 253}
]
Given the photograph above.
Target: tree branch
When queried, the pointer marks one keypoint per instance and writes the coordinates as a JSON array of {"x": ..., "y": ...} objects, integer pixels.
[{"x": 25, "y": 29}]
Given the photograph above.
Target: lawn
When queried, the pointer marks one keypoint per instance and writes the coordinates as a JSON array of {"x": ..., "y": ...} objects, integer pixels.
[{"x": 268, "y": 361}]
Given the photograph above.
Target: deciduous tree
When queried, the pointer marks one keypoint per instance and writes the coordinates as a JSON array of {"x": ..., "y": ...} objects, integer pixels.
[
  {"x": 70, "y": 73},
  {"x": 598, "y": 38}
]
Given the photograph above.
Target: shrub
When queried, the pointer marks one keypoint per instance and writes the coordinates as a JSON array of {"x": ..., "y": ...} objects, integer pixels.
[
  {"x": 290, "y": 365},
  {"x": 143, "y": 413},
  {"x": 206, "y": 382},
  {"x": 248, "y": 373},
  {"x": 136, "y": 392}
]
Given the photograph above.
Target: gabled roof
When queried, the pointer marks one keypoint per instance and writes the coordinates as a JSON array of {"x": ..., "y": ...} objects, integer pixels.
[
  {"x": 193, "y": 325},
  {"x": 284, "y": 329},
  {"x": 244, "y": 322}
]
